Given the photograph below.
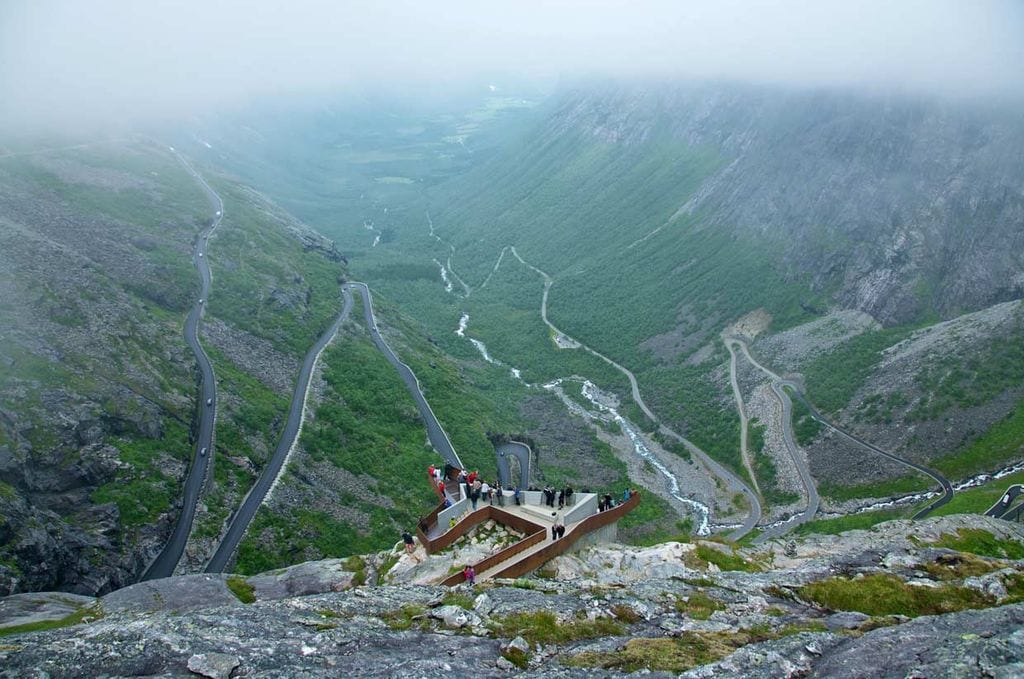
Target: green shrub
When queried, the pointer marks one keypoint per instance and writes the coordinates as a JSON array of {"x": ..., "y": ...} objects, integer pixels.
[
  {"x": 725, "y": 562},
  {"x": 542, "y": 627},
  {"x": 241, "y": 588},
  {"x": 698, "y": 606},
  {"x": 883, "y": 594},
  {"x": 460, "y": 599},
  {"x": 982, "y": 543},
  {"x": 84, "y": 614}
]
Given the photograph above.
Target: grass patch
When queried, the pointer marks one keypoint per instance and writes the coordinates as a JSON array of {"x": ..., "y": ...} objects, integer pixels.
[
  {"x": 833, "y": 378},
  {"x": 667, "y": 655},
  {"x": 1014, "y": 588},
  {"x": 689, "y": 650},
  {"x": 406, "y": 617},
  {"x": 460, "y": 599},
  {"x": 84, "y": 614},
  {"x": 241, "y": 588},
  {"x": 516, "y": 656},
  {"x": 982, "y": 543},
  {"x": 841, "y": 524},
  {"x": 903, "y": 485},
  {"x": 357, "y": 566},
  {"x": 959, "y": 566},
  {"x": 698, "y": 606},
  {"x": 542, "y": 627},
  {"x": 726, "y": 562},
  {"x": 385, "y": 567},
  {"x": 805, "y": 427},
  {"x": 882, "y": 594},
  {"x": 626, "y": 613},
  {"x": 1003, "y": 441}
]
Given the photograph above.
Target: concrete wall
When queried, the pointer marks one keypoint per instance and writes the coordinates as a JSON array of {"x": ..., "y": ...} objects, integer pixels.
[
  {"x": 456, "y": 510},
  {"x": 603, "y": 535},
  {"x": 586, "y": 505}
]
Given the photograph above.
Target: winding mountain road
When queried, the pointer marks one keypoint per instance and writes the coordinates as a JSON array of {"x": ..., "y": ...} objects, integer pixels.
[
  {"x": 810, "y": 489},
  {"x": 289, "y": 436},
  {"x": 732, "y": 482},
  {"x": 738, "y": 396},
  {"x": 165, "y": 563},
  {"x": 1002, "y": 506},
  {"x": 435, "y": 432},
  {"x": 947, "y": 487}
]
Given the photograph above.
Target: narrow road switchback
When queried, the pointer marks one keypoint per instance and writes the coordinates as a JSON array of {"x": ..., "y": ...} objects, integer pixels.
[
  {"x": 289, "y": 436},
  {"x": 165, "y": 563},
  {"x": 732, "y": 481}
]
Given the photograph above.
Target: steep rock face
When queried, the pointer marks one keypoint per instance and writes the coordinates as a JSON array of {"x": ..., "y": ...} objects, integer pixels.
[
  {"x": 896, "y": 206},
  {"x": 97, "y": 385},
  {"x": 93, "y": 273}
]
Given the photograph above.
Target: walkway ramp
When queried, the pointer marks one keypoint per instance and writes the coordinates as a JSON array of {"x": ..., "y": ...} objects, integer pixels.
[{"x": 536, "y": 548}]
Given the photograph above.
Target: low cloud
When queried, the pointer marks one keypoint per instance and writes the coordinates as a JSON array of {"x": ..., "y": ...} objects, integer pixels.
[{"x": 64, "y": 61}]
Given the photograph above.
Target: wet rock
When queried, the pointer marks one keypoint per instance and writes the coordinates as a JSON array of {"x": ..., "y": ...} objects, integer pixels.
[
  {"x": 311, "y": 577},
  {"x": 846, "y": 620},
  {"x": 213, "y": 665},
  {"x": 455, "y": 617},
  {"x": 518, "y": 644},
  {"x": 181, "y": 593},
  {"x": 25, "y": 609},
  {"x": 991, "y": 583}
]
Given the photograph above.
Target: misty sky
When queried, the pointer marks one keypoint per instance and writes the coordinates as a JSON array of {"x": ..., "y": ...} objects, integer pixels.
[{"x": 122, "y": 61}]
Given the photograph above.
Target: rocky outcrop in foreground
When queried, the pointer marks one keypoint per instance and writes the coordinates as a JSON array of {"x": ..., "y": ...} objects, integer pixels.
[{"x": 936, "y": 599}]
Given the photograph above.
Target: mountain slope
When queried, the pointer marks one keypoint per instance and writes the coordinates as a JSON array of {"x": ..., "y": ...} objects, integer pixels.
[{"x": 98, "y": 388}]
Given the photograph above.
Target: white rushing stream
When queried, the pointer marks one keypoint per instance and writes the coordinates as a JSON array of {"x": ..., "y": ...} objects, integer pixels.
[
  {"x": 607, "y": 413},
  {"x": 604, "y": 413},
  {"x": 481, "y": 347}
]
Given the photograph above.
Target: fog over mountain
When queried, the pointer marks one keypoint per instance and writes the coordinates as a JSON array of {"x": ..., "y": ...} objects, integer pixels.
[{"x": 114, "y": 62}]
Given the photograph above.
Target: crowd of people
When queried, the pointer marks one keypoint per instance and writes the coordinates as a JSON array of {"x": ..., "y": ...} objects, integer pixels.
[
  {"x": 479, "y": 490},
  {"x": 607, "y": 502},
  {"x": 564, "y": 496}
]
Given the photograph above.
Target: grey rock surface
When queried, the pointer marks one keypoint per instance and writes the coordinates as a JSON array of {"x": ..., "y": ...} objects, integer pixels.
[
  {"x": 213, "y": 665},
  {"x": 181, "y": 593},
  {"x": 28, "y": 608},
  {"x": 183, "y": 626},
  {"x": 311, "y": 577}
]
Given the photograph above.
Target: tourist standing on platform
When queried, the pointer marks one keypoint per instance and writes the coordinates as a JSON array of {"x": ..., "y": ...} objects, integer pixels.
[
  {"x": 485, "y": 492},
  {"x": 470, "y": 574}
]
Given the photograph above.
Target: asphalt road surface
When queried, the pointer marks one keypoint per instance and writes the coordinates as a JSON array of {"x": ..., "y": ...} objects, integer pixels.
[
  {"x": 947, "y": 487},
  {"x": 244, "y": 516},
  {"x": 435, "y": 432},
  {"x": 813, "y": 499},
  {"x": 1003, "y": 505},
  {"x": 167, "y": 561},
  {"x": 521, "y": 452},
  {"x": 732, "y": 481}
]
